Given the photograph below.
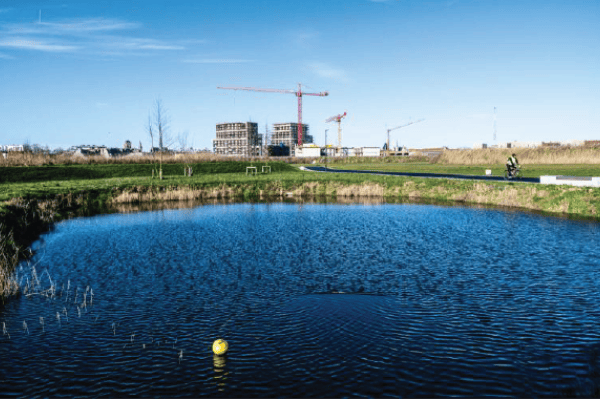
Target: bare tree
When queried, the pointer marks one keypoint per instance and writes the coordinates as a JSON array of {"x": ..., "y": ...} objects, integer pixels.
[
  {"x": 150, "y": 129},
  {"x": 158, "y": 125},
  {"x": 182, "y": 140}
]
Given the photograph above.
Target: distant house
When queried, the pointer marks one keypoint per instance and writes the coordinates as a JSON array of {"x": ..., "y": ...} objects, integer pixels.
[
  {"x": 431, "y": 152},
  {"x": 103, "y": 151},
  {"x": 13, "y": 147},
  {"x": 368, "y": 152},
  {"x": 84, "y": 151},
  {"x": 165, "y": 150}
]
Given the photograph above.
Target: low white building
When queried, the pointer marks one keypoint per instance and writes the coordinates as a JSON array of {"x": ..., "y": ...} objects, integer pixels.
[
  {"x": 524, "y": 145},
  {"x": 368, "y": 152},
  {"x": 515, "y": 144},
  {"x": 12, "y": 147},
  {"x": 308, "y": 151}
]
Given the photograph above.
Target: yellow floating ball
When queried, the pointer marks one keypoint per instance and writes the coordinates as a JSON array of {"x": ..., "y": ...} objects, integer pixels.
[{"x": 220, "y": 347}]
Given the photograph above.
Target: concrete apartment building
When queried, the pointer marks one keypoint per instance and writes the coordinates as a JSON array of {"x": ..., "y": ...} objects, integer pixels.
[
  {"x": 287, "y": 133},
  {"x": 238, "y": 139}
]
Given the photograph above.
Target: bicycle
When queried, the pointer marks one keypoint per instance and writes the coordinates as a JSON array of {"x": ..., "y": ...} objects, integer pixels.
[{"x": 515, "y": 174}]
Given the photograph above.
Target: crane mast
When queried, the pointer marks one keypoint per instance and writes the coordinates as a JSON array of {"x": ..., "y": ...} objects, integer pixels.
[
  {"x": 398, "y": 127},
  {"x": 299, "y": 93},
  {"x": 338, "y": 119}
]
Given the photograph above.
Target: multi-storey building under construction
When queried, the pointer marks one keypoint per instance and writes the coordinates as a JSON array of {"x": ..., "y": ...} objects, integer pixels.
[
  {"x": 287, "y": 133},
  {"x": 238, "y": 138}
]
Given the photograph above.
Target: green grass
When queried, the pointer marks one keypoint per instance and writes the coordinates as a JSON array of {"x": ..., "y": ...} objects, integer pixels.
[
  {"x": 50, "y": 173},
  {"x": 88, "y": 189},
  {"x": 108, "y": 181},
  {"x": 498, "y": 170}
]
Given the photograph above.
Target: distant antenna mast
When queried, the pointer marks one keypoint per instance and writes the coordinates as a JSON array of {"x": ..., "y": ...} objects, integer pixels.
[{"x": 494, "y": 124}]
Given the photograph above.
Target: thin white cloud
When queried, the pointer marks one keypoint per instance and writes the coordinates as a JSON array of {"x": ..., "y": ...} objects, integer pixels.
[
  {"x": 71, "y": 27},
  {"x": 6, "y": 57},
  {"x": 217, "y": 61},
  {"x": 138, "y": 44},
  {"x": 35, "y": 44},
  {"x": 160, "y": 47},
  {"x": 91, "y": 25},
  {"x": 88, "y": 36},
  {"x": 327, "y": 71},
  {"x": 5, "y": 10}
]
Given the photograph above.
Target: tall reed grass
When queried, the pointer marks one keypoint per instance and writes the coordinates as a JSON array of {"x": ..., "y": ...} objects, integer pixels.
[
  {"x": 18, "y": 159},
  {"x": 9, "y": 256},
  {"x": 22, "y": 222},
  {"x": 540, "y": 155}
]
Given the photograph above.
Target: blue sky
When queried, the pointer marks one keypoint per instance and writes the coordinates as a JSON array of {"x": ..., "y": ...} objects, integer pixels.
[{"x": 89, "y": 72}]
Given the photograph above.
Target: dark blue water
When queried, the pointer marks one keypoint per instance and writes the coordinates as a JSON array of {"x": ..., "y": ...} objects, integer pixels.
[{"x": 314, "y": 300}]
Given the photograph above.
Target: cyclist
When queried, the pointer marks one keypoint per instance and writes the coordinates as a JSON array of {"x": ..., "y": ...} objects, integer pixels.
[{"x": 512, "y": 164}]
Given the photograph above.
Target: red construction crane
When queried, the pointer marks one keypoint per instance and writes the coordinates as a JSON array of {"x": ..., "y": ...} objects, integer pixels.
[
  {"x": 338, "y": 119},
  {"x": 299, "y": 93}
]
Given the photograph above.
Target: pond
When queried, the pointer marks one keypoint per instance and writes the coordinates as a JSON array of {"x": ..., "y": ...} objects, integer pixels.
[{"x": 315, "y": 300}]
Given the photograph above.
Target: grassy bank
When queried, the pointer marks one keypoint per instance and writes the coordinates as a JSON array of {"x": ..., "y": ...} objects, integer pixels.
[
  {"x": 528, "y": 170},
  {"x": 110, "y": 184},
  {"x": 32, "y": 198},
  {"x": 575, "y": 161}
]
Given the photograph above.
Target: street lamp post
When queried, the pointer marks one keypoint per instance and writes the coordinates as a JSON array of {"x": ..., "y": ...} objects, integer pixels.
[{"x": 326, "y": 154}]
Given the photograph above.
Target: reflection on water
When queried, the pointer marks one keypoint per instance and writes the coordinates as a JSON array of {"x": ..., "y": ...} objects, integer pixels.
[
  {"x": 316, "y": 300},
  {"x": 174, "y": 205},
  {"x": 221, "y": 373}
]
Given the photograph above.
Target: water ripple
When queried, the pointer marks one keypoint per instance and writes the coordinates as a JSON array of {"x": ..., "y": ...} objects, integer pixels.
[{"x": 315, "y": 301}]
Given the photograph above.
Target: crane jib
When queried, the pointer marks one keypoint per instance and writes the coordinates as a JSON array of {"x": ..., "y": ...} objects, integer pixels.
[{"x": 298, "y": 94}]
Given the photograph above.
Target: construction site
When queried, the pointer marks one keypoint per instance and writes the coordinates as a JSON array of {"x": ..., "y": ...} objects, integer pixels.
[
  {"x": 293, "y": 139},
  {"x": 290, "y": 138}
]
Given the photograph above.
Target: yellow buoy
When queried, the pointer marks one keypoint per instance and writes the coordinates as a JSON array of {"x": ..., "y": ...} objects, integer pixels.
[{"x": 220, "y": 347}]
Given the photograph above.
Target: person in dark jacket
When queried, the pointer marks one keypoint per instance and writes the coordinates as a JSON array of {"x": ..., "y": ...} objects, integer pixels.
[{"x": 512, "y": 164}]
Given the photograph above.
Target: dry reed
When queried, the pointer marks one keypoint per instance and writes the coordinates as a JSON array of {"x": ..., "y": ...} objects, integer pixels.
[
  {"x": 540, "y": 155},
  {"x": 19, "y": 159}
]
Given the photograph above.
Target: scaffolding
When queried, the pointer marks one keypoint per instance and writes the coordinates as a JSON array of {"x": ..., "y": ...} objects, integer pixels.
[
  {"x": 287, "y": 133},
  {"x": 238, "y": 139}
]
